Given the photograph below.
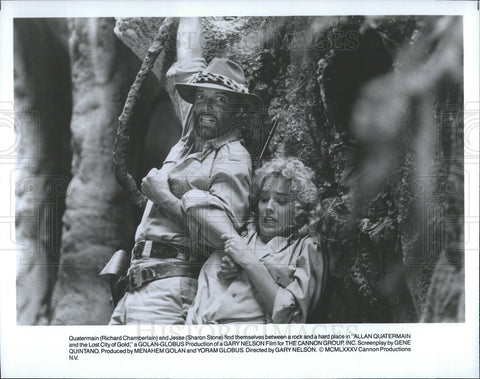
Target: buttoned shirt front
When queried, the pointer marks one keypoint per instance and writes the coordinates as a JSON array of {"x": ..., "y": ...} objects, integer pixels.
[
  {"x": 218, "y": 177},
  {"x": 297, "y": 266}
]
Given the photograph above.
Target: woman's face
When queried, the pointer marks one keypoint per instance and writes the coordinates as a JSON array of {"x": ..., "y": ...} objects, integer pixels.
[{"x": 276, "y": 208}]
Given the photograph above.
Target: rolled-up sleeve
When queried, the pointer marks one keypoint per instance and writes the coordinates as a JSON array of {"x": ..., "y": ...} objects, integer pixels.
[
  {"x": 294, "y": 301},
  {"x": 182, "y": 72},
  {"x": 229, "y": 187}
]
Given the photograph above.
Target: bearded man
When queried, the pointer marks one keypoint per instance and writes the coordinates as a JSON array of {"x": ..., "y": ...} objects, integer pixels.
[{"x": 206, "y": 176}]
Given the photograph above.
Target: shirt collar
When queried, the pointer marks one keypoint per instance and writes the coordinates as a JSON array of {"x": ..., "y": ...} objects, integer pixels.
[
  {"x": 275, "y": 245},
  {"x": 278, "y": 243},
  {"x": 213, "y": 144},
  {"x": 210, "y": 145},
  {"x": 217, "y": 143}
]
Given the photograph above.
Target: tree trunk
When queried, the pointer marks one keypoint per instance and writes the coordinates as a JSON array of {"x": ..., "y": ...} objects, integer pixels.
[
  {"x": 42, "y": 117},
  {"x": 365, "y": 101},
  {"x": 97, "y": 216}
]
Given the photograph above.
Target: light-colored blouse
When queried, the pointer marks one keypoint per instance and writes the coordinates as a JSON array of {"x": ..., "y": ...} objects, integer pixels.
[{"x": 297, "y": 266}]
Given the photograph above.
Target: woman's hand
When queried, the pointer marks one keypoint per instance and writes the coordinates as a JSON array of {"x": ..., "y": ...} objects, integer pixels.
[
  {"x": 155, "y": 185},
  {"x": 236, "y": 247},
  {"x": 243, "y": 255},
  {"x": 229, "y": 270}
]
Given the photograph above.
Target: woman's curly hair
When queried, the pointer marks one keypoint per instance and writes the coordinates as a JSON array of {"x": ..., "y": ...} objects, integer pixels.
[{"x": 302, "y": 188}]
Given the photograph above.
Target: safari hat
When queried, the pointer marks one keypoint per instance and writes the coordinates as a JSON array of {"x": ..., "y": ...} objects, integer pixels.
[{"x": 222, "y": 74}]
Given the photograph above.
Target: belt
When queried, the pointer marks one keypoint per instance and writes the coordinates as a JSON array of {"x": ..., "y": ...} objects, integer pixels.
[
  {"x": 156, "y": 250},
  {"x": 138, "y": 276}
]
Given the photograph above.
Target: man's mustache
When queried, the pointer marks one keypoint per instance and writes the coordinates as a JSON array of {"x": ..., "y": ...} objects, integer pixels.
[{"x": 206, "y": 114}]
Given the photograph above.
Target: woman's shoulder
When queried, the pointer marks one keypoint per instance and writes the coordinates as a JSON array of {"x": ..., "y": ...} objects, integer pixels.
[
  {"x": 309, "y": 241},
  {"x": 309, "y": 246}
]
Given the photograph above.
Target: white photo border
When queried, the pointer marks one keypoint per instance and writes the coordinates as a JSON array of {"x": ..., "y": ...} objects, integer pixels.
[{"x": 441, "y": 350}]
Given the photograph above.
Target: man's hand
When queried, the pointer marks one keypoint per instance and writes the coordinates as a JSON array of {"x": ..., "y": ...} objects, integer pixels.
[{"x": 155, "y": 185}]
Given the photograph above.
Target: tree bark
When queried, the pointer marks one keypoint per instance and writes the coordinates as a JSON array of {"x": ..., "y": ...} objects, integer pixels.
[
  {"x": 365, "y": 101},
  {"x": 42, "y": 116},
  {"x": 316, "y": 74},
  {"x": 98, "y": 217}
]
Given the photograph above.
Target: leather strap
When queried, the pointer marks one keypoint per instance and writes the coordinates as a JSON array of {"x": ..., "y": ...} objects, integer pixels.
[
  {"x": 146, "y": 249},
  {"x": 138, "y": 276}
]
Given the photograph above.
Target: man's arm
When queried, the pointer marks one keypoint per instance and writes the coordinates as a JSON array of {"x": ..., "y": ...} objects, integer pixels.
[
  {"x": 189, "y": 39},
  {"x": 189, "y": 61},
  {"x": 213, "y": 223},
  {"x": 155, "y": 187},
  {"x": 222, "y": 209}
]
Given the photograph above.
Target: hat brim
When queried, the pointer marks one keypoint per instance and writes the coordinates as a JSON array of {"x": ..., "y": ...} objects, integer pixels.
[{"x": 187, "y": 92}]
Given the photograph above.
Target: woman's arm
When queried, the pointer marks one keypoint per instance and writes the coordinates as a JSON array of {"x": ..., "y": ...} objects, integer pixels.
[
  {"x": 300, "y": 292},
  {"x": 258, "y": 274},
  {"x": 285, "y": 302}
]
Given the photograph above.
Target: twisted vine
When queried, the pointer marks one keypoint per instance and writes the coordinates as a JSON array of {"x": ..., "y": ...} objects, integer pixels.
[{"x": 122, "y": 138}]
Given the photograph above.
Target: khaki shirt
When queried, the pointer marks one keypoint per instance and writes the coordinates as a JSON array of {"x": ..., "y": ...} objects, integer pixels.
[
  {"x": 219, "y": 177},
  {"x": 297, "y": 266}
]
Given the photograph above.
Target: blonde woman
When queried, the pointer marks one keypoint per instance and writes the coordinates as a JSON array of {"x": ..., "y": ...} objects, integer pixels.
[{"x": 275, "y": 271}]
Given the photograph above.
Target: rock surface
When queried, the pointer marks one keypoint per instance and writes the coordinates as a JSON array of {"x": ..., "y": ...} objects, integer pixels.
[
  {"x": 365, "y": 101},
  {"x": 352, "y": 104}
]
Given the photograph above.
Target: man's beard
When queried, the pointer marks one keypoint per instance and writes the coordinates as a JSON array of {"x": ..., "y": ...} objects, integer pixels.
[
  {"x": 206, "y": 125},
  {"x": 209, "y": 125}
]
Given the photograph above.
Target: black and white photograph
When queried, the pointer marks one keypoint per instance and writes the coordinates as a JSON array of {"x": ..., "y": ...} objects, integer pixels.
[
  {"x": 301, "y": 179},
  {"x": 325, "y": 152}
]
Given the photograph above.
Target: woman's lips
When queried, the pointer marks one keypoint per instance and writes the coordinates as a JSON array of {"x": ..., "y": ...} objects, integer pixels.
[{"x": 269, "y": 220}]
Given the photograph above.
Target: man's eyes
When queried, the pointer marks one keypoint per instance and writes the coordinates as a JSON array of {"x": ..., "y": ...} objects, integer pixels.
[{"x": 220, "y": 99}]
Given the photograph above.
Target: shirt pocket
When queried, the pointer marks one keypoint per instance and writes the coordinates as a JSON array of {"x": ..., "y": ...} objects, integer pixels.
[{"x": 282, "y": 274}]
